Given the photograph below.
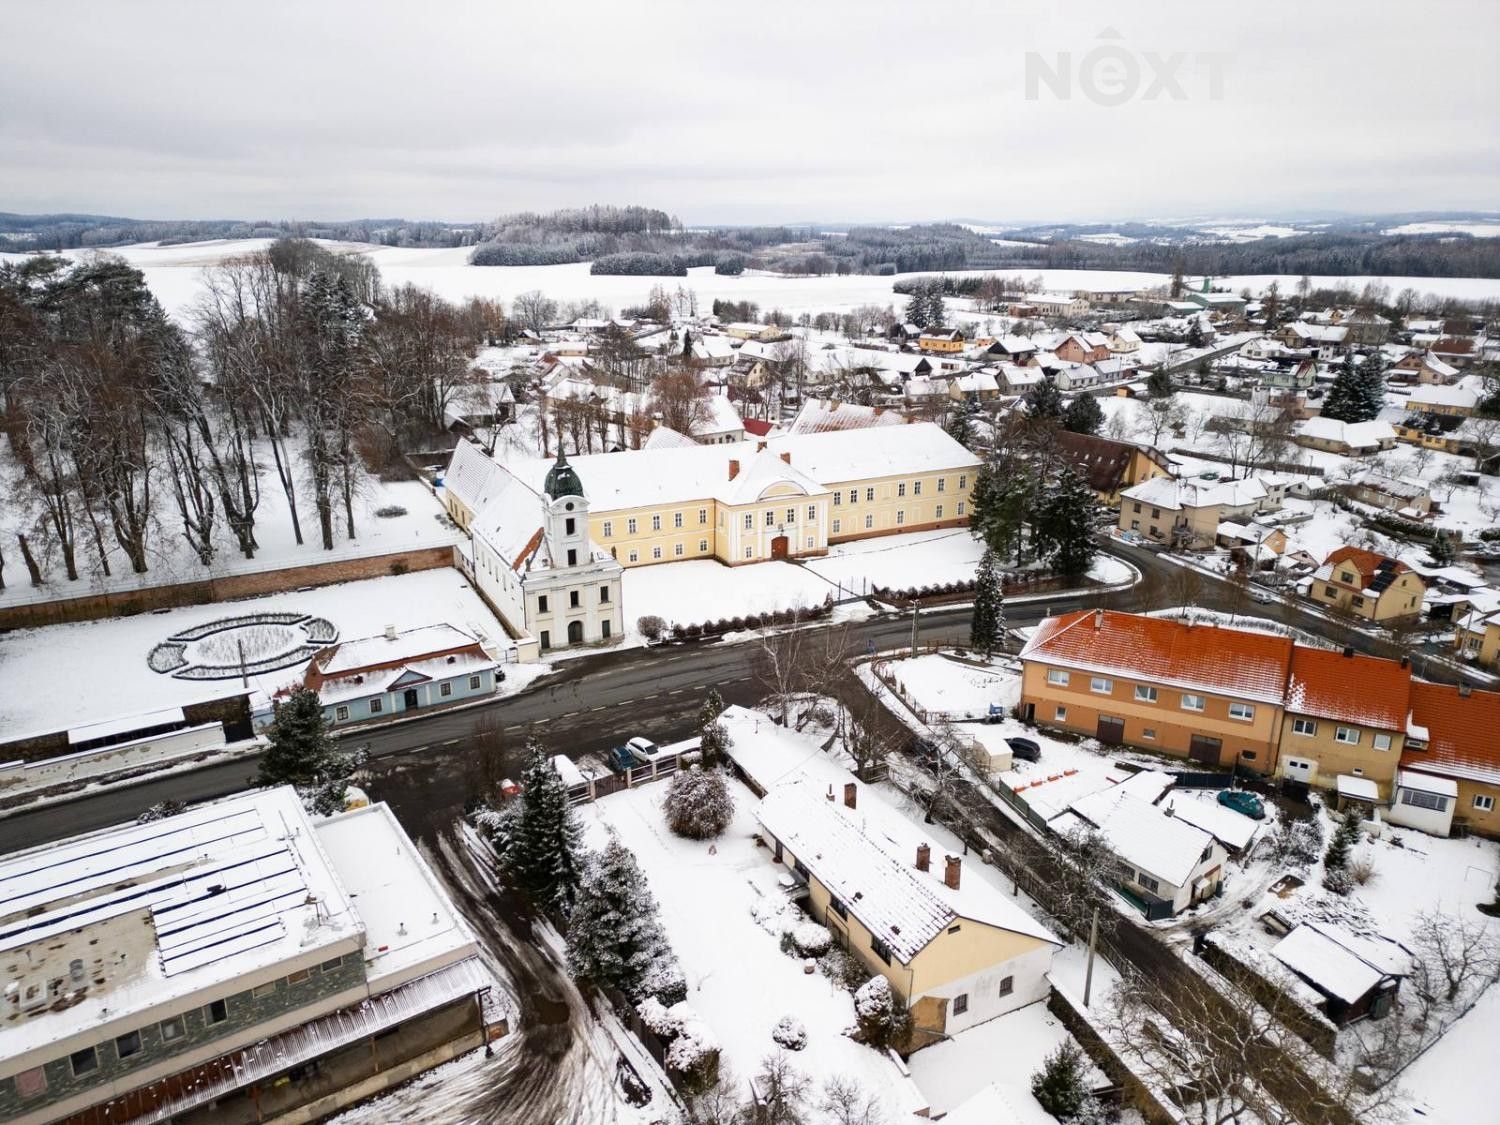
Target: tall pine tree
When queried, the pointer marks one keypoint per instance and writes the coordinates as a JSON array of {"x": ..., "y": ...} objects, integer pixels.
[
  {"x": 615, "y": 937},
  {"x": 987, "y": 630},
  {"x": 301, "y": 754},
  {"x": 1372, "y": 381},
  {"x": 541, "y": 851},
  {"x": 713, "y": 739},
  {"x": 1348, "y": 399},
  {"x": 1084, "y": 415},
  {"x": 1044, "y": 402},
  {"x": 1064, "y": 521}
]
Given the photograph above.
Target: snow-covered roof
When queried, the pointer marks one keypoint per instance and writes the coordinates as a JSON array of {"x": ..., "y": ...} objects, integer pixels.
[
  {"x": 471, "y": 476},
  {"x": 412, "y": 644},
  {"x": 1352, "y": 688},
  {"x": 721, "y": 417},
  {"x": 1144, "y": 835},
  {"x": 1230, "y": 828},
  {"x": 1359, "y": 788},
  {"x": 1175, "y": 494},
  {"x": 664, "y": 437},
  {"x": 821, "y": 416},
  {"x": 1424, "y": 782},
  {"x": 1356, "y": 435},
  {"x": 1457, "y": 396},
  {"x": 1322, "y": 954}
]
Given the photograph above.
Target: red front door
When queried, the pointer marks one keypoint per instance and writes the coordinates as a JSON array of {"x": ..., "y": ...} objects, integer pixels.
[{"x": 779, "y": 547}]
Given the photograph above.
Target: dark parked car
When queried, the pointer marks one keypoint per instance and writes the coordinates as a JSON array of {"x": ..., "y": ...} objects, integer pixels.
[
  {"x": 1026, "y": 749},
  {"x": 621, "y": 759},
  {"x": 1243, "y": 802}
]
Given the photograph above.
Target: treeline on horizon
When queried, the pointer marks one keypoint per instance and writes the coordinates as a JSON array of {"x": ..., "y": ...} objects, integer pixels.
[{"x": 647, "y": 241}]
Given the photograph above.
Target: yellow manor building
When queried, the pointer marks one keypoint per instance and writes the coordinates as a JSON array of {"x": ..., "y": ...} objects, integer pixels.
[{"x": 745, "y": 502}]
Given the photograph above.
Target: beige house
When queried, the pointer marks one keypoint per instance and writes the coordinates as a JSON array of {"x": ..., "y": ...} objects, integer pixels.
[
  {"x": 1367, "y": 585},
  {"x": 955, "y": 950},
  {"x": 1346, "y": 714},
  {"x": 1477, "y": 637},
  {"x": 1188, "y": 512}
]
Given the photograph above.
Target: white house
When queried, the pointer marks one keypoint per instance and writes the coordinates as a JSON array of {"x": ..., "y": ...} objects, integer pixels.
[{"x": 1423, "y": 801}]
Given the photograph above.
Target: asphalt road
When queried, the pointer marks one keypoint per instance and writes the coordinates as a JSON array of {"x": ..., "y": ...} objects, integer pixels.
[{"x": 421, "y": 767}]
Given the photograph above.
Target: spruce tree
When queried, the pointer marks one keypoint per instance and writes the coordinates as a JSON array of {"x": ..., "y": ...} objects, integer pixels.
[
  {"x": 1084, "y": 415},
  {"x": 1060, "y": 1085},
  {"x": 713, "y": 739},
  {"x": 1442, "y": 551},
  {"x": 937, "y": 310},
  {"x": 916, "y": 308},
  {"x": 299, "y": 743},
  {"x": 1372, "y": 382},
  {"x": 1159, "y": 384},
  {"x": 1002, "y": 502},
  {"x": 1347, "y": 399},
  {"x": 961, "y": 425},
  {"x": 615, "y": 937},
  {"x": 1064, "y": 520},
  {"x": 541, "y": 851},
  {"x": 1044, "y": 401},
  {"x": 987, "y": 630},
  {"x": 1336, "y": 875}
]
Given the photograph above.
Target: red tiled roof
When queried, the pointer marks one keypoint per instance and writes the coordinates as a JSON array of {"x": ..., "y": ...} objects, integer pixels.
[
  {"x": 1366, "y": 562},
  {"x": 1353, "y": 689},
  {"x": 1223, "y": 661},
  {"x": 757, "y": 427},
  {"x": 1463, "y": 732}
]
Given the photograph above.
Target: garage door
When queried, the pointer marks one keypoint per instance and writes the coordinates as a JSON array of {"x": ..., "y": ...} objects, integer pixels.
[
  {"x": 1111, "y": 730},
  {"x": 1205, "y": 749}
]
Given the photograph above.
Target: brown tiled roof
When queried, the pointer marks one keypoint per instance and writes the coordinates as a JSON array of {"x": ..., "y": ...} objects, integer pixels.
[
  {"x": 1208, "y": 657},
  {"x": 1101, "y": 461},
  {"x": 1352, "y": 689},
  {"x": 1463, "y": 732},
  {"x": 1367, "y": 563}
]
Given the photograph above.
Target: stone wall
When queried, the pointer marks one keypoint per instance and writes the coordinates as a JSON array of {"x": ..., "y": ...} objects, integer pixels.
[{"x": 222, "y": 588}]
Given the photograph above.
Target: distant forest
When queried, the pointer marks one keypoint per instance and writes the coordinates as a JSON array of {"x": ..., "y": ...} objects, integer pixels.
[{"x": 644, "y": 240}]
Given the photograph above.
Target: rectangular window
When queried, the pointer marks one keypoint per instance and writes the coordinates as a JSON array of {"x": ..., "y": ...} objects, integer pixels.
[
  {"x": 677, "y": 550},
  {"x": 900, "y": 518},
  {"x": 837, "y": 906},
  {"x": 901, "y": 488},
  {"x": 1347, "y": 735},
  {"x": 1192, "y": 703},
  {"x": 609, "y": 529},
  {"x": 1149, "y": 734},
  {"x": 541, "y": 603},
  {"x": 963, "y": 482},
  {"x": 1245, "y": 712},
  {"x": 854, "y": 496},
  {"x": 749, "y": 552},
  {"x": 1057, "y": 676},
  {"x": 960, "y": 1003},
  {"x": 572, "y": 557},
  {"x": 812, "y": 513},
  {"x": 1382, "y": 741},
  {"x": 1248, "y": 755},
  {"x": 332, "y": 963},
  {"x": 676, "y": 519},
  {"x": 1418, "y": 800},
  {"x": 263, "y": 990},
  {"x": 570, "y": 526},
  {"x": 573, "y": 596},
  {"x": 1304, "y": 726},
  {"x": 880, "y": 949},
  {"x": 656, "y": 552},
  {"x": 603, "y": 595},
  {"x": 1330, "y": 592},
  {"x": 445, "y": 688},
  {"x": 547, "y": 634},
  {"x": 655, "y": 523},
  {"x": 634, "y": 556},
  {"x": 630, "y": 526},
  {"x": 84, "y": 1062},
  {"x": 128, "y": 1044},
  {"x": 171, "y": 1029},
  {"x": 341, "y": 713},
  {"x": 1149, "y": 883},
  {"x": 836, "y": 526},
  {"x": 838, "y": 499},
  {"x": 1484, "y": 802},
  {"x": 702, "y": 517},
  {"x": 939, "y": 512},
  {"x": 942, "y": 485},
  {"x": 216, "y": 1012},
  {"x": 1137, "y": 507},
  {"x": 869, "y": 495},
  {"x": 604, "y": 629},
  {"x": 1007, "y": 985},
  {"x": 770, "y": 519},
  {"x": 869, "y": 522},
  {"x": 1145, "y": 693},
  {"x": 1061, "y": 714},
  {"x": 376, "y": 706},
  {"x": 297, "y": 976},
  {"x": 960, "y": 507},
  {"x": 916, "y": 488},
  {"x": 703, "y": 545},
  {"x": 1101, "y": 685},
  {"x": 749, "y": 521}
]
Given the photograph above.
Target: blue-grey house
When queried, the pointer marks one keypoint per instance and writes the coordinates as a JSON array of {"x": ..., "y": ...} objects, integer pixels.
[{"x": 397, "y": 672}]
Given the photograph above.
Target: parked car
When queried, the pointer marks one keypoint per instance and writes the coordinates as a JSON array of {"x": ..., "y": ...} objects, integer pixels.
[
  {"x": 620, "y": 759},
  {"x": 1248, "y": 804},
  {"x": 1027, "y": 749},
  {"x": 1261, "y": 596},
  {"x": 644, "y": 750}
]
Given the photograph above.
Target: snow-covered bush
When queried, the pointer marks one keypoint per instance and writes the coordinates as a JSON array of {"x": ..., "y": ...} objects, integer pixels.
[
  {"x": 811, "y": 939},
  {"x": 693, "y": 1057},
  {"x": 654, "y": 1015},
  {"x": 883, "y": 1021},
  {"x": 1297, "y": 842},
  {"x": 790, "y": 1033},
  {"x": 664, "y": 981},
  {"x": 1062, "y": 1088},
  {"x": 697, "y": 803},
  {"x": 390, "y": 511},
  {"x": 651, "y": 627}
]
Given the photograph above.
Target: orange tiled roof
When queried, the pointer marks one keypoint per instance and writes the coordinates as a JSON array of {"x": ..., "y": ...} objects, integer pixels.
[
  {"x": 1352, "y": 689},
  {"x": 1366, "y": 562},
  {"x": 1223, "y": 661},
  {"x": 1463, "y": 732}
]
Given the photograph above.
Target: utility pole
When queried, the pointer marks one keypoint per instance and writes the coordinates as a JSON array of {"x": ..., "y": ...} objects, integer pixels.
[
  {"x": 916, "y": 612},
  {"x": 1088, "y": 973}
]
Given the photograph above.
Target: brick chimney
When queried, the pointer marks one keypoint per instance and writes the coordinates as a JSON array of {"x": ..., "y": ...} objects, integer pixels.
[
  {"x": 924, "y": 857},
  {"x": 760, "y": 447},
  {"x": 951, "y": 872},
  {"x": 787, "y": 457},
  {"x": 851, "y": 795},
  {"x": 734, "y": 468}
]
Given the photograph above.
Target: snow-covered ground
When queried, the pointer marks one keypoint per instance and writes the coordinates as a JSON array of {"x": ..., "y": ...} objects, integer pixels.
[
  {"x": 920, "y": 558},
  {"x": 173, "y": 273},
  {"x": 415, "y": 520},
  {"x": 1478, "y": 230},
  {"x": 68, "y": 675},
  {"x": 699, "y": 590},
  {"x": 954, "y": 688}
]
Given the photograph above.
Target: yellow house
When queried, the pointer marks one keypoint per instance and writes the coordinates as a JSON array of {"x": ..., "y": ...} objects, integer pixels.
[
  {"x": 745, "y": 330},
  {"x": 941, "y": 340},
  {"x": 1346, "y": 714},
  {"x": 1187, "y": 513},
  {"x": 1477, "y": 637},
  {"x": 956, "y": 951},
  {"x": 742, "y": 502},
  {"x": 1367, "y": 585},
  {"x": 1453, "y": 737}
]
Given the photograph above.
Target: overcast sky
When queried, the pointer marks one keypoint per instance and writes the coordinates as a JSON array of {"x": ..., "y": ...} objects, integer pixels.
[{"x": 769, "y": 111}]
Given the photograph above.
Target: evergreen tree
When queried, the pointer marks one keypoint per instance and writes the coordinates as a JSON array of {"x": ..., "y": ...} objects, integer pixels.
[
  {"x": 987, "y": 631},
  {"x": 961, "y": 425},
  {"x": 1064, "y": 522},
  {"x": 937, "y": 310},
  {"x": 1176, "y": 277},
  {"x": 1061, "y": 1084},
  {"x": 1442, "y": 551},
  {"x": 1084, "y": 415},
  {"x": 1002, "y": 501},
  {"x": 541, "y": 850},
  {"x": 1372, "y": 382},
  {"x": 301, "y": 754},
  {"x": 916, "y": 308},
  {"x": 615, "y": 938},
  {"x": 1195, "y": 335},
  {"x": 1159, "y": 385},
  {"x": 1336, "y": 876},
  {"x": 1044, "y": 401},
  {"x": 1347, "y": 399},
  {"x": 713, "y": 739}
]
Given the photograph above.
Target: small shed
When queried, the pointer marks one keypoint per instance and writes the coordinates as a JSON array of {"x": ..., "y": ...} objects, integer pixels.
[
  {"x": 1356, "y": 792},
  {"x": 1357, "y": 975},
  {"x": 1423, "y": 802}
]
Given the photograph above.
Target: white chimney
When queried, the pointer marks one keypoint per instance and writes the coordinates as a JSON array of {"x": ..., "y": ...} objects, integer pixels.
[{"x": 390, "y": 632}]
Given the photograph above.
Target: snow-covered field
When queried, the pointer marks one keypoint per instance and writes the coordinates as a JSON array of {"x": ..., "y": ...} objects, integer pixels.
[
  {"x": 699, "y": 590},
  {"x": 1478, "y": 230},
  {"x": 953, "y": 688},
  {"x": 173, "y": 275},
  {"x": 921, "y": 558},
  {"x": 69, "y": 675}
]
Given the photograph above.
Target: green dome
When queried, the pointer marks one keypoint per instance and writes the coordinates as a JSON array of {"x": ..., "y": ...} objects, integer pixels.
[{"x": 562, "y": 480}]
